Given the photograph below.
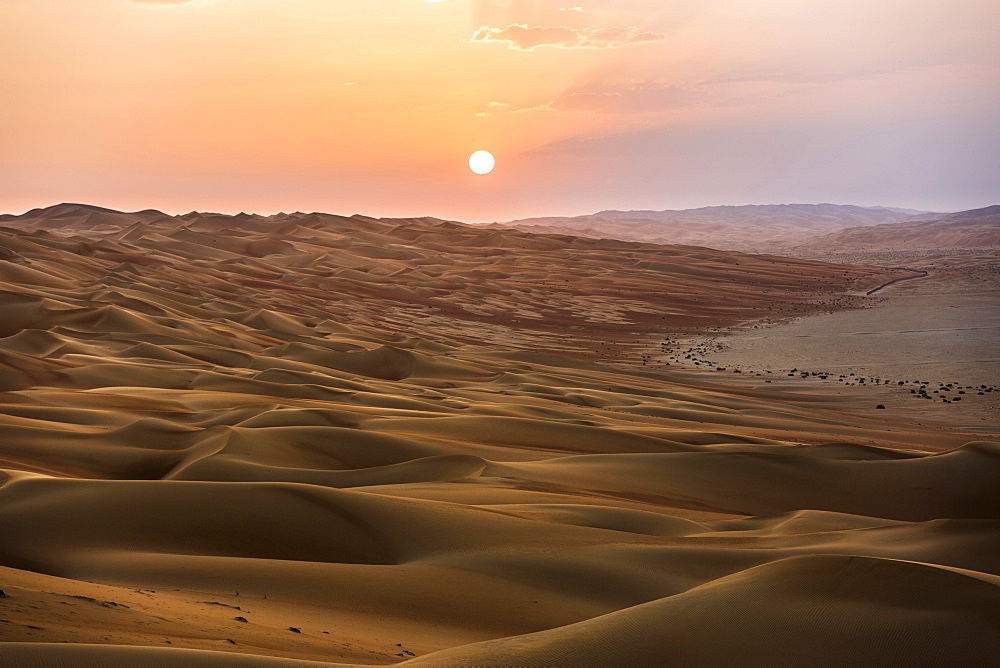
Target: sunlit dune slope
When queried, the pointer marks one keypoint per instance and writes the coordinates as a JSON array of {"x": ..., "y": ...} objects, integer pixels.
[{"x": 239, "y": 440}]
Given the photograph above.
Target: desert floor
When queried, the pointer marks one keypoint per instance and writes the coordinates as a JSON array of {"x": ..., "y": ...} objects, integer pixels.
[{"x": 938, "y": 333}]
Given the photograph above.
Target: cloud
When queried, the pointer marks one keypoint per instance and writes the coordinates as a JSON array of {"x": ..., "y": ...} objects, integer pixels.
[{"x": 520, "y": 36}]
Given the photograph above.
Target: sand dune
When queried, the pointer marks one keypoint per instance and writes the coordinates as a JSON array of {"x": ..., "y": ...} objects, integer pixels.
[
  {"x": 901, "y": 612},
  {"x": 246, "y": 440},
  {"x": 42, "y": 655}
]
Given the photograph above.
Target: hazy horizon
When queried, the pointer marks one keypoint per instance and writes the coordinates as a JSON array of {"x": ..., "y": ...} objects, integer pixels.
[
  {"x": 431, "y": 215},
  {"x": 252, "y": 105}
]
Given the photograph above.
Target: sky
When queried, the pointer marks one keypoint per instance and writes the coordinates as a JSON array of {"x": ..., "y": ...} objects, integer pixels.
[{"x": 374, "y": 106}]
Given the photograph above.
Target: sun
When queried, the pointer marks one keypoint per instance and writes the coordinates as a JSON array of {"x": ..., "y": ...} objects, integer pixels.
[{"x": 482, "y": 162}]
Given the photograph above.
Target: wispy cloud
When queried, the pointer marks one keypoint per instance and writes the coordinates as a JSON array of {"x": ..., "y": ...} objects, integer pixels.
[
  {"x": 631, "y": 98},
  {"x": 522, "y": 37},
  {"x": 634, "y": 98},
  {"x": 641, "y": 97}
]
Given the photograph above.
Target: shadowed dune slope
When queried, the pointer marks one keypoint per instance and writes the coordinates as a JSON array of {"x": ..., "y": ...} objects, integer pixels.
[
  {"x": 308, "y": 439},
  {"x": 830, "y": 611},
  {"x": 40, "y": 655}
]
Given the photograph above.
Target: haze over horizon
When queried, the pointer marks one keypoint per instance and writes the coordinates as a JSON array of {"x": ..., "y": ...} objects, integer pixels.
[
  {"x": 258, "y": 106},
  {"x": 180, "y": 212}
]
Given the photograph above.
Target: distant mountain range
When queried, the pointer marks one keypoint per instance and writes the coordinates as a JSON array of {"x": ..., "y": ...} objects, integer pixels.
[
  {"x": 978, "y": 228},
  {"x": 777, "y": 228}
]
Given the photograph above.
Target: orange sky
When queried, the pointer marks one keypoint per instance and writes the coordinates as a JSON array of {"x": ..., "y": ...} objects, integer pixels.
[{"x": 373, "y": 107}]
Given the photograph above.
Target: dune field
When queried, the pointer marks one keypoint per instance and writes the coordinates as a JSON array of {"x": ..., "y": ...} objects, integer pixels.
[{"x": 309, "y": 439}]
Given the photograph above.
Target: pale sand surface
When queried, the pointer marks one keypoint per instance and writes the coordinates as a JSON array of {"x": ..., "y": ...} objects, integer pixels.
[
  {"x": 212, "y": 459},
  {"x": 934, "y": 331},
  {"x": 904, "y": 337}
]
